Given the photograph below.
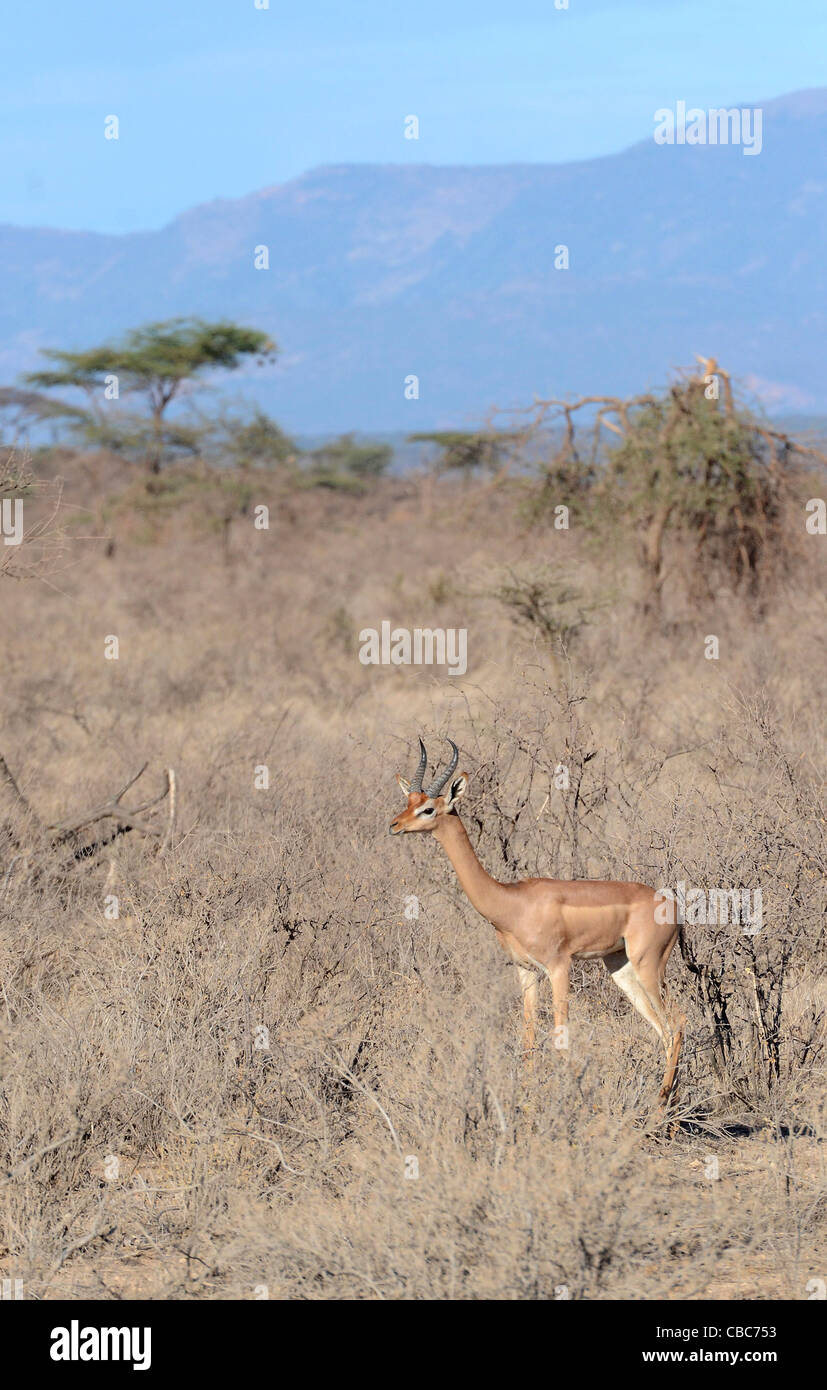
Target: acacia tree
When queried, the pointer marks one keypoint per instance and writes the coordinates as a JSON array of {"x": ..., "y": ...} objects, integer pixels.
[
  {"x": 155, "y": 361},
  {"x": 466, "y": 450},
  {"x": 21, "y": 410},
  {"x": 689, "y": 463},
  {"x": 346, "y": 464}
]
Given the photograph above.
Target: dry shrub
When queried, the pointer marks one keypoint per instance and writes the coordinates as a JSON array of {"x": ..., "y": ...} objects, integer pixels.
[{"x": 275, "y": 1068}]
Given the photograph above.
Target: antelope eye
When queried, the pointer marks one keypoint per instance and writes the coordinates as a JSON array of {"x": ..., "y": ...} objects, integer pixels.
[{"x": 429, "y": 811}]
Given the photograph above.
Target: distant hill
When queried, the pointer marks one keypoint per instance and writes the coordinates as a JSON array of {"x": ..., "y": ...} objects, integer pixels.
[{"x": 378, "y": 272}]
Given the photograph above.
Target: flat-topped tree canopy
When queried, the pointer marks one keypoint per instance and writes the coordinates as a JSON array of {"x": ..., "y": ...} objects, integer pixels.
[{"x": 155, "y": 360}]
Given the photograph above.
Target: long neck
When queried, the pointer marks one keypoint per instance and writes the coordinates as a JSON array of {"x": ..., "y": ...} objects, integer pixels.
[{"x": 484, "y": 892}]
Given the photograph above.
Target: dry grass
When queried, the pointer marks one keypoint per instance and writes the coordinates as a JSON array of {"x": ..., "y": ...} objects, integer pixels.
[{"x": 392, "y": 1041}]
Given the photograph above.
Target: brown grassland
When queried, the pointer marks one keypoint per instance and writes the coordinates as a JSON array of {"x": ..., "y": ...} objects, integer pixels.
[{"x": 268, "y": 1073}]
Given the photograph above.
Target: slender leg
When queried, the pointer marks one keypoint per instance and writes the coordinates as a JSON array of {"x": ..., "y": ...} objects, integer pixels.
[
  {"x": 625, "y": 977},
  {"x": 559, "y": 974},
  {"x": 648, "y": 977},
  {"x": 667, "y": 1086},
  {"x": 529, "y": 986},
  {"x": 644, "y": 986},
  {"x": 678, "y": 1028}
]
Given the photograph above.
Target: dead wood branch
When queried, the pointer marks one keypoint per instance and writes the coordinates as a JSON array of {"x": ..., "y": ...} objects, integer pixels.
[{"x": 126, "y": 818}]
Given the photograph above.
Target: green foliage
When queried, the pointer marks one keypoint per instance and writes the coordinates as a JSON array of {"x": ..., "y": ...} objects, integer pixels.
[
  {"x": 466, "y": 451},
  {"x": 255, "y": 442},
  {"x": 155, "y": 361},
  {"x": 209, "y": 498},
  {"x": 686, "y": 466},
  {"x": 696, "y": 460},
  {"x": 258, "y": 442},
  {"x": 680, "y": 466},
  {"x": 156, "y": 358},
  {"x": 134, "y": 436},
  {"x": 346, "y": 465},
  {"x": 545, "y": 603},
  {"x": 23, "y": 409},
  {"x": 566, "y": 478}
]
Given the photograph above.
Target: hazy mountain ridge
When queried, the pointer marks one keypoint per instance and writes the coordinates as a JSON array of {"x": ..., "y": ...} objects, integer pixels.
[{"x": 377, "y": 272}]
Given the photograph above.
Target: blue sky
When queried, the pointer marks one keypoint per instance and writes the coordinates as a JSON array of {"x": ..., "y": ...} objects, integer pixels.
[{"x": 216, "y": 98}]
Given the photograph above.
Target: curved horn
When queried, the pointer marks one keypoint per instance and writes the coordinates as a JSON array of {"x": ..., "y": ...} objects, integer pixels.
[
  {"x": 436, "y": 787},
  {"x": 416, "y": 782}
]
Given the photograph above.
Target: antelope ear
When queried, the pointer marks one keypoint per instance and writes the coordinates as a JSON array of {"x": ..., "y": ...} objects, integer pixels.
[
  {"x": 404, "y": 783},
  {"x": 456, "y": 789}
]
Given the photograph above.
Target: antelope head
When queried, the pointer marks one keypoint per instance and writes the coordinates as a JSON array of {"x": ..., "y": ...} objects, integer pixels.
[{"x": 425, "y": 809}]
